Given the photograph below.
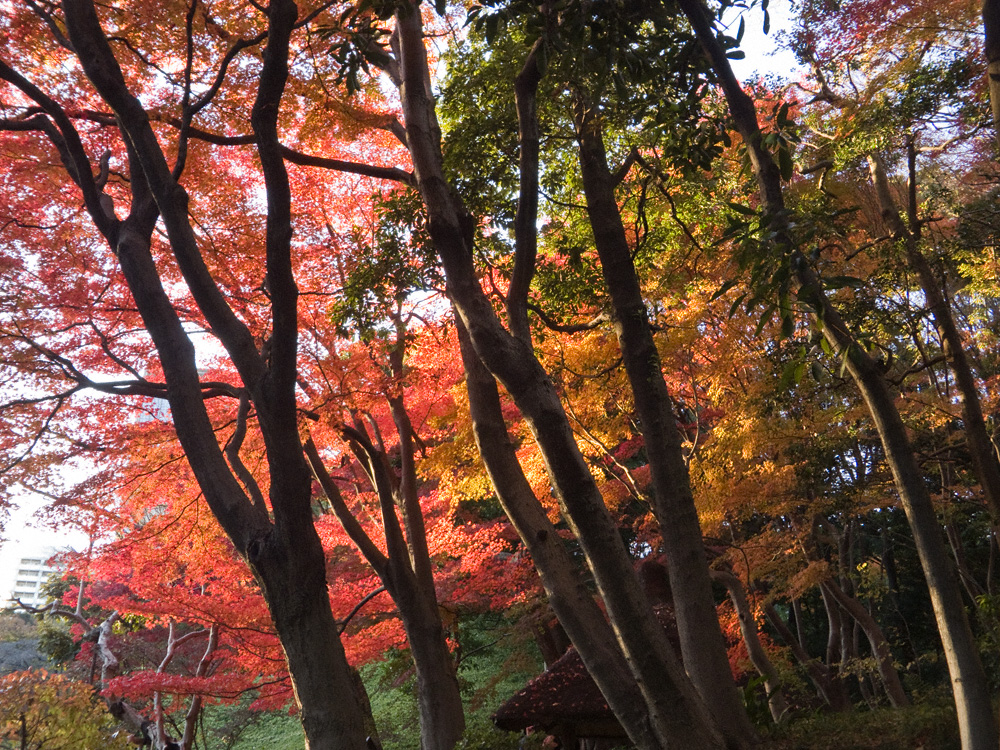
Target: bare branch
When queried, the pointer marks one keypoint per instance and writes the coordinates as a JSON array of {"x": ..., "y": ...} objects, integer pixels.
[
  {"x": 357, "y": 608},
  {"x": 551, "y": 324},
  {"x": 369, "y": 549},
  {"x": 232, "y": 451}
]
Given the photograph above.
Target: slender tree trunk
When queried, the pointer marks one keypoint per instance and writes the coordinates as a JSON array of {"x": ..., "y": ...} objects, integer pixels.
[
  {"x": 758, "y": 657},
  {"x": 675, "y": 709},
  {"x": 703, "y": 647},
  {"x": 827, "y": 684},
  {"x": 977, "y": 723},
  {"x": 969, "y": 582},
  {"x": 879, "y": 644},
  {"x": 194, "y": 709},
  {"x": 991, "y": 25},
  {"x": 835, "y": 648},
  {"x": 442, "y": 719},
  {"x": 969, "y": 684},
  {"x": 796, "y": 611},
  {"x": 864, "y": 676},
  {"x": 573, "y": 604},
  {"x": 984, "y": 457},
  {"x": 843, "y": 594}
]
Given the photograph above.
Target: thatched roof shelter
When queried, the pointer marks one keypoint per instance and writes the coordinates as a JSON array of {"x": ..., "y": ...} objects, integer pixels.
[
  {"x": 565, "y": 701},
  {"x": 562, "y": 696}
]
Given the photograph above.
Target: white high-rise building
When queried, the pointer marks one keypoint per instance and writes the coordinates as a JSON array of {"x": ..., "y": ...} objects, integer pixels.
[
  {"x": 32, "y": 572},
  {"x": 25, "y": 550}
]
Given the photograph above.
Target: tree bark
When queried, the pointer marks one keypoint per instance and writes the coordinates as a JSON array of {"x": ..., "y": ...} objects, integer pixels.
[
  {"x": 703, "y": 647},
  {"x": 977, "y": 723},
  {"x": 442, "y": 719},
  {"x": 991, "y": 25},
  {"x": 758, "y": 657},
  {"x": 285, "y": 554},
  {"x": 674, "y": 706},
  {"x": 292, "y": 572}
]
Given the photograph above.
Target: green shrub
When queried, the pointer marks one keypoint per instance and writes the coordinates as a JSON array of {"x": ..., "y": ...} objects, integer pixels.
[{"x": 930, "y": 726}]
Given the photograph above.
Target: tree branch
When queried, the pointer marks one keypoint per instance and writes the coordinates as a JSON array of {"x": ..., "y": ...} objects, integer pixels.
[
  {"x": 526, "y": 218},
  {"x": 551, "y": 324},
  {"x": 374, "y": 556}
]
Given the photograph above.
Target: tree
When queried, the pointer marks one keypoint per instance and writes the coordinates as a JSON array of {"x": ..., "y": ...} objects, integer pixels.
[
  {"x": 41, "y": 710},
  {"x": 977, "y": 724},
  {"x": 302, "y": 289},
  {"x": 405, "y": 568},
  {"x": 162, "y": 283},
  {"x": 510, "y": 359}
]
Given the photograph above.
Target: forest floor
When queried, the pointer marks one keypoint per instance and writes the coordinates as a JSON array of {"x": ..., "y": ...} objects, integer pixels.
[
  {"x": 920, "y": 727},
  {"x": 928, "y": 726}
]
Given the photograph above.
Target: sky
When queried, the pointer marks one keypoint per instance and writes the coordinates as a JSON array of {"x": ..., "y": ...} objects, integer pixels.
[
  {"x": 762, "y": 53},
  {"x": 24, "y": 536}
]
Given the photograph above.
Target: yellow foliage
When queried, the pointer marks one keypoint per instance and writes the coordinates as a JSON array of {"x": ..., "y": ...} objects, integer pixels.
[
  {"x": 41, "y": 710},
  {"x": 814, "y": 574}
]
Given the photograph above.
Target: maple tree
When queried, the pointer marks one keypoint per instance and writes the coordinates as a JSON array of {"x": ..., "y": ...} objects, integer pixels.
[
  {"x": 969, "y": 683},
  {"x": 258, "y": 329},
  {"x": 173, "y": 577},
  {"x": 302, "y": 257}
]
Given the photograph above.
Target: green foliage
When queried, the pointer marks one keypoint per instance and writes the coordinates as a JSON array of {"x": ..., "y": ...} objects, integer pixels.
[
  {"x": 754, "y": 697},
  {"x": 56, "y": 641},
  {"x": 16, "y": 627},
  {"x": 223, "y": 726},
  {"x": 399, "y": 262},
  {"x": 988, "y": 619},
  {"x": 495, "y": 663}
]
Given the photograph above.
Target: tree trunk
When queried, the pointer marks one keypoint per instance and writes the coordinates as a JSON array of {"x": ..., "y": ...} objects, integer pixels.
[
  {"x": 991, "y": 25},
  {"x": 194, "y": 710},
  {"x": 828, "y": 685},
  {"x": 854, "y": 616},
  {"x": 292, "y": 574},
  {"x": 569, "y": 598},
  {"x": 984, "y": 457},
  {"x": 748, "y": 629},
  {"x": 835, "y": 636},
  {"x": 977, "y": 724},
  {"x": 675, "y": 709},
  {"x": 285, "y": 554},
  {"x": 969, "y": 583},
  {"x": 442, "y": 719},
  {"x": 703, "y": 647},
  {"x": 878, "y": 642}
]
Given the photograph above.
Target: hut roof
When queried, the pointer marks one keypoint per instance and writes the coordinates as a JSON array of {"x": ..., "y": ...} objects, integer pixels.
[{"x": 564, "y": 693}]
